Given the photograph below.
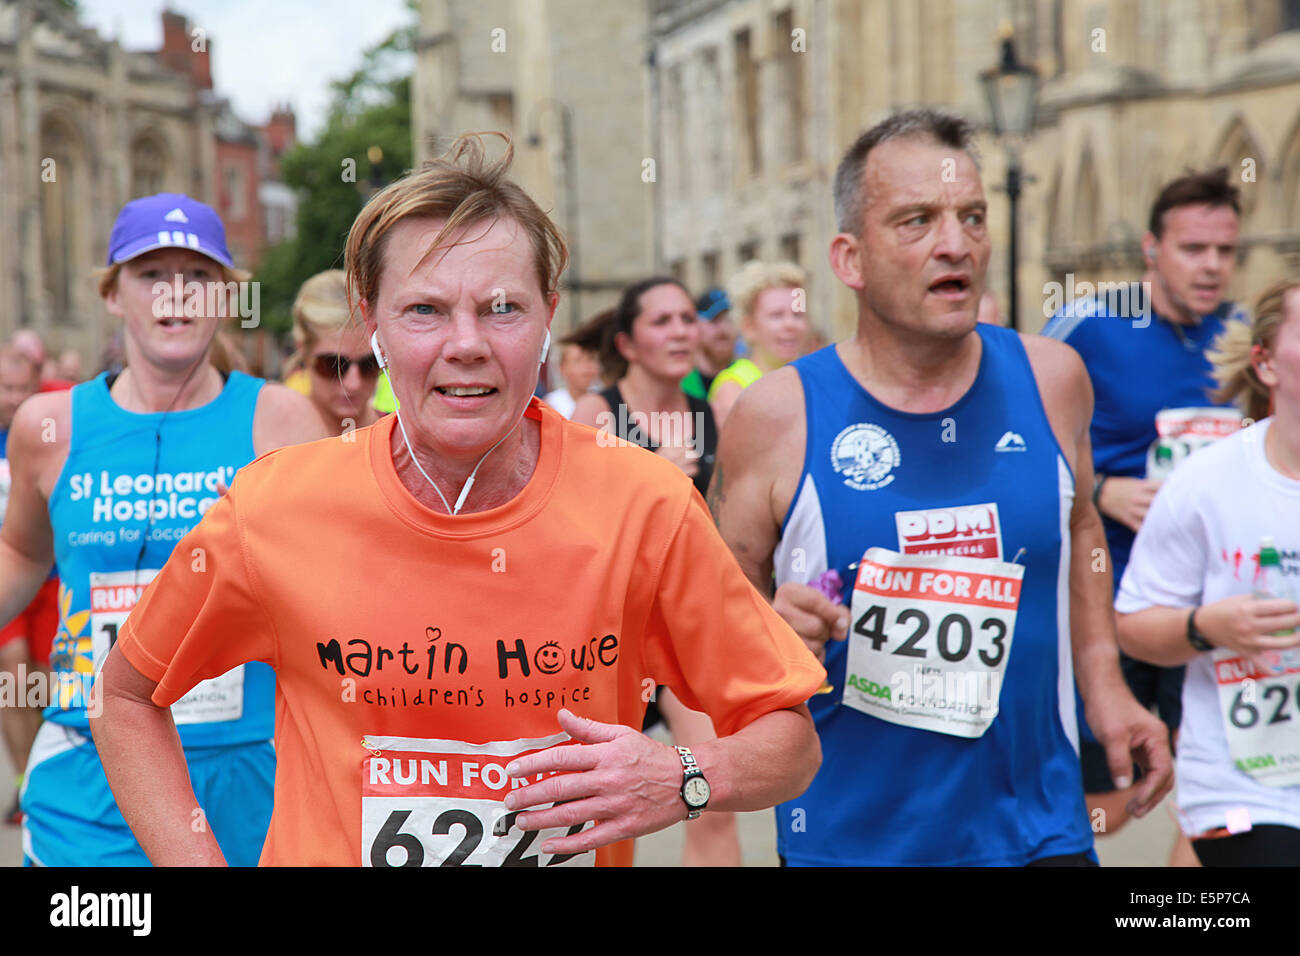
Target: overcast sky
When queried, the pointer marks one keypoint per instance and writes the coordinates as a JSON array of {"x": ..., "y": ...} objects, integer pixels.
[{"x": 263, "y": 51}]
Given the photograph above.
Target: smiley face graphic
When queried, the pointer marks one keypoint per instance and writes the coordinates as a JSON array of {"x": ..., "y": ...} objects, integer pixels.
[{"x": 549, "y": 658}]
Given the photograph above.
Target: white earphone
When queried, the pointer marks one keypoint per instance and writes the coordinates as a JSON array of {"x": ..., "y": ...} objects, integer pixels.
[{"x": 546, "y": 348}]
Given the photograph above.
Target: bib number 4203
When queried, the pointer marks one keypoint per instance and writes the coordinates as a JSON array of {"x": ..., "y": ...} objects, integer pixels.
[
  {"x": 953, "y": 638},
  {"x": 930, "y": 640}
]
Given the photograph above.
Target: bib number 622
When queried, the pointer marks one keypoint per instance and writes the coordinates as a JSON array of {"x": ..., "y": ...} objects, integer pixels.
[{"x": 468, "y": 825}]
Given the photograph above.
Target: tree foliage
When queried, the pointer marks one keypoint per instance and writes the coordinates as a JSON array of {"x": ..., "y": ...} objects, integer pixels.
[{"x": 333, "y": 176}]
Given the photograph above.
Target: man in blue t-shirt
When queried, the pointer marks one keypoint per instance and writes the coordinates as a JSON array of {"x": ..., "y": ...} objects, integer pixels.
[{"x": 1145, "y": 346}]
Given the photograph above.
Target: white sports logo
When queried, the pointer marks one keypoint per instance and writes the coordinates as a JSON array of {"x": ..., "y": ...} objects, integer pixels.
[
  {"x": 177, "y": 238},
  {"x": 177, "y": 215},
  {"x": 1011, "y": 441},
  {"x": 866, "y": 455}
]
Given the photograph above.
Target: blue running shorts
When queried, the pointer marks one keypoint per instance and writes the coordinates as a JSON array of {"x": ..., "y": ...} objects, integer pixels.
[{"x": 71, "y": 819}]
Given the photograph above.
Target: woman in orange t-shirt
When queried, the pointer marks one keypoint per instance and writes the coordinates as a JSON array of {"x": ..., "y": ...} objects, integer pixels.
[{"x": 430, "y": 714}]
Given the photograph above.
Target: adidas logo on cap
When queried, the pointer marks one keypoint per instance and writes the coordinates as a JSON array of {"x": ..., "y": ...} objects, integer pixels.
[
  {"x": 177, "y": 215},
  {"x": 1010, "y": 442}
]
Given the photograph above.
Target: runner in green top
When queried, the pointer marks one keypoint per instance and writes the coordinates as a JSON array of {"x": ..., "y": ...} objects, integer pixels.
[
  {"x": 717, "y": 342},
  {"x": 769, "y": 296}
]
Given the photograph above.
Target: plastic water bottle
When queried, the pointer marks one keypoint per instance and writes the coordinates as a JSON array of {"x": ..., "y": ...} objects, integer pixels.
[
  {"x": 1160, "y": 460},
  {"x": 1269, "y": 581}
]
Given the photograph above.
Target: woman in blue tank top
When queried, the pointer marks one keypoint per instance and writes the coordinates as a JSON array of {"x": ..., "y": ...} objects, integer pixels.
[{"x": 107, "y": 478}]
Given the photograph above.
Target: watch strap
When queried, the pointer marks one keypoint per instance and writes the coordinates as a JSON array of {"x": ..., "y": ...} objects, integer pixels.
[
  {"x": 1195, "y": 637},
  {"x": 690, "y": 769},
  {"x": 1098, "y": 480}
]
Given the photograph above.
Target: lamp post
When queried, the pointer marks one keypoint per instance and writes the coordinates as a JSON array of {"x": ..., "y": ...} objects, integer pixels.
[
  {"x": 1011, "y": 88},
  {"x": 570, "y": 160},
  {"x": 375, "y": 155}
]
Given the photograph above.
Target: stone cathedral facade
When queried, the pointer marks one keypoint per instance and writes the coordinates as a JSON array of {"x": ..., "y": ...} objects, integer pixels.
[{"x": 745, "y": 107}]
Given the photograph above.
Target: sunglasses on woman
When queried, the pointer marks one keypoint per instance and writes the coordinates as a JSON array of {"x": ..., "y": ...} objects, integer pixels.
[{"x": 338, "y": 365}]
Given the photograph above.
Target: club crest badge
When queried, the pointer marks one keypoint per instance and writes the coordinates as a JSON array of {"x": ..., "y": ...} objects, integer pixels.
[{"x": 866, "y": 455}]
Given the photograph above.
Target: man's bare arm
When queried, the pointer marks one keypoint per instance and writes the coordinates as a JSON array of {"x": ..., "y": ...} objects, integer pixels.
[
  {"x": 752, "y": 486},
  {"x": 760, "y": 459},
  {"x": 1121, "y": 724}
]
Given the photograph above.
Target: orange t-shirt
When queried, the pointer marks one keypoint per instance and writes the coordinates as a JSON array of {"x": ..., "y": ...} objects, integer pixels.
[{"x": 417, "y": 653}]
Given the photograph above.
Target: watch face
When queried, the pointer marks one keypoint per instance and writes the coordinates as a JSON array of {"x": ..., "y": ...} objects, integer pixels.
[{"x": 696, "y": 792}]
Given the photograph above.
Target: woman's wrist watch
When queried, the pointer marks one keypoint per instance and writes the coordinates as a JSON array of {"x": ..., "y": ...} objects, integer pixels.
[
  {"x": 1195, "y": 637},
  {"x": 695, "y": 789},
  {"x": 1098, "y": 480}
]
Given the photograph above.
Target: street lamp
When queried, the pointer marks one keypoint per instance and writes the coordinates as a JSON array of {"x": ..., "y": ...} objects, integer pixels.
[
  {"x": 376, "y": 181},
  {"x": 375, "y": 155},
  {"x": 570, "y": 160},
  {"x": 1011, "y": 88}
]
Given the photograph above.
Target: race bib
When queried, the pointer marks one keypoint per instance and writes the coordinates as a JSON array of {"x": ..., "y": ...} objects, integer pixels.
[
  {"x": 930, "y": 639},
  {"x": 112, "y": 596},
  {"x": 442, "y": 803},
  {"x": 1261, "y": 714},
  {"x": 1181, "y": 431}
]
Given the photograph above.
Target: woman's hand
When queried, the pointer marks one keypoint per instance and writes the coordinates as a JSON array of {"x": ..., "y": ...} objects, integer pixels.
[
  {"x": 681, "y": 457},
  {"x": 1248, "y": 624}
]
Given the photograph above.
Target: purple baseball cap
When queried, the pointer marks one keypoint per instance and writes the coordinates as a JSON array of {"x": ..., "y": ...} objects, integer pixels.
[{"x": 167, "y": 220}]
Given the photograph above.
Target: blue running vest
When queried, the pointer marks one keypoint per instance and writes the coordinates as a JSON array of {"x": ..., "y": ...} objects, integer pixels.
[
  {"x": 888, "y": 795},
  {"x": 100, "y": 512}
]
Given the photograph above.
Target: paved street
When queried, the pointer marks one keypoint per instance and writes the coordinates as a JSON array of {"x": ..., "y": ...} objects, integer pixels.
[{"x": 1144, "y": 843}]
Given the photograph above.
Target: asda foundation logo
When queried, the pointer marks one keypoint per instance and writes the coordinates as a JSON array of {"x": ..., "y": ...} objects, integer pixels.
[
  {"x": 869, "y": 687},
  {"x": 866, "y": 455}
]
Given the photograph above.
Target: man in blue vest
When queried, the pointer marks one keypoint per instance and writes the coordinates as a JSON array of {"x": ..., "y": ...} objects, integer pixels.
[
  {"x": 924, "y": 474},
  {"x": 1144, "y": 346}
]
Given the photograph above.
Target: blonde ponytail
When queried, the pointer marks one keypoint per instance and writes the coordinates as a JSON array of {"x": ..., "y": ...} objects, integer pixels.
[{"x": 1231, "y": 354}]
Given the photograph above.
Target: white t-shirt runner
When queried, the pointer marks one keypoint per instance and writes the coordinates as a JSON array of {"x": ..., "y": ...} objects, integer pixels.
[{"x": 1239, "y": 741}]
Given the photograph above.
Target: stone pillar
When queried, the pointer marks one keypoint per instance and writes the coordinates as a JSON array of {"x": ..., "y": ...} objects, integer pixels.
[
  {"x": 35, "y": 306},
  {"x": 10, "y": 208}
]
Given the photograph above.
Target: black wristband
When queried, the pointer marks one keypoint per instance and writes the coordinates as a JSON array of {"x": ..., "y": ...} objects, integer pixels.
[
  {"x": 1097, "y": 482},
  {"x": 1195, "y": 637}
]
